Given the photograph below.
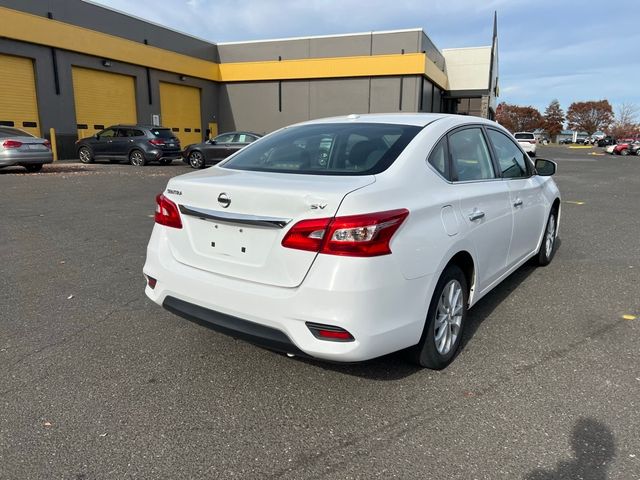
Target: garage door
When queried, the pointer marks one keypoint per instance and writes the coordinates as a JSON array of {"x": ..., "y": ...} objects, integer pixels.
[
  {"x": 18, "y": 101},
  {"x": 102, "y": 99},
  {"x": 180, "y": 111}
]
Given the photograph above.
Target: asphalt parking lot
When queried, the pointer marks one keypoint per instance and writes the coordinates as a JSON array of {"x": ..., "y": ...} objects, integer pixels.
[{"x": 98, "y": 382}]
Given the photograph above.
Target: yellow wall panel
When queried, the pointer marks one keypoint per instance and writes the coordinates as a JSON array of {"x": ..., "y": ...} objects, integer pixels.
[
  {"x": 18, "y": 101},
  {"x": 180, "y": 109},
  {"x": 102, "y": 98}
]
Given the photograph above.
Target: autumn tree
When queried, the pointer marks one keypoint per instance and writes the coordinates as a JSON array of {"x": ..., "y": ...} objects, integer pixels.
[
  {"x": 553, "y": 118},
  {"x": 590, "y": 116},
  {"x": 518, "y": 119},
  {"x": 626, "y": 121}
]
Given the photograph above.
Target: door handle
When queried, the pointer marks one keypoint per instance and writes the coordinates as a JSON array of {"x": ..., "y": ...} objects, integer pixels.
[
  {"x": 517, "y": 203},
  {"x": 473, "y": 216}
]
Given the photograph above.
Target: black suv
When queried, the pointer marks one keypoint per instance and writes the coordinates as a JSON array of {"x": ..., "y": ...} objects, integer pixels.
[{"x": 137, "y": 144}]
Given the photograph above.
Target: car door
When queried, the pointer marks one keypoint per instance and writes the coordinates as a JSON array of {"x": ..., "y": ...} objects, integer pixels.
[
  {"x": 220, "y": 147},
  {"x": 484, "y": 203},
  {"x": 120, "y": 143},
  {"x": 102, "y": 144},
  {"x": 525, "y": 195}
]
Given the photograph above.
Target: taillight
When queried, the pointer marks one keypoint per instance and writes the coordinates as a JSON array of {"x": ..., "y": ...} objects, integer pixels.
[
  {"x": 365, "y": 235},
  {"x": 156, "y": 142},
  {"x": 11, "y": 144},
  {"x": 534, "y": 141},
  {"x": 167, "y": 212},
  {"x": 47, "y": 144}
]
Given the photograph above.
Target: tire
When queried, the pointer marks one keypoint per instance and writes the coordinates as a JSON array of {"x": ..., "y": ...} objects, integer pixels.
[
  {"x": 85, "y": 155},
  {"x": 34, "y": 167},
  {"x": 165, "y": 161},
  {"x": 548, "y": 246},
  {"x": 638, "y": 152},
  {"x": 624, "y": 152},
  {"x": 196, "y": 160},
  {"x": 136, "y": 158},
  {"x": 443, "y": 328}
]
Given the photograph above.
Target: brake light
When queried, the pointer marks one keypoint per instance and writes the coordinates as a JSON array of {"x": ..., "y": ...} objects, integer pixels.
[
  {"x": 329, "y": 332},
  {"x": 167, "y": 212},
  {"x": 156, "y": 142},
  {"x": 11, "y": 144},
  {"x": 365, "y": 235},
  {"x": 47, "y": 144},
  {"x": 534, "y": 141}
]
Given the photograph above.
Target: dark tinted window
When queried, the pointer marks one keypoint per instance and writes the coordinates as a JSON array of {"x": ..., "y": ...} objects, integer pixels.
[
  {"x": 107, "y": 133},
  {"x": 225, "y": 138},
  {"x": 512, "y": 161},
  {"x": 470, "y": 155},
  {"x": 327, "y": 149},
  {"x": 524, "y": 136},
  {"x": 439, "y": 158},
  {"x": 131, "y": 132},
  {"x": 162, "y": 133},
  {"x": 13, "y": 132}
]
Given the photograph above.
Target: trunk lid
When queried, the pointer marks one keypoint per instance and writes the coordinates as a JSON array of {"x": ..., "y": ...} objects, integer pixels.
[{"x": 243, "y": 239}]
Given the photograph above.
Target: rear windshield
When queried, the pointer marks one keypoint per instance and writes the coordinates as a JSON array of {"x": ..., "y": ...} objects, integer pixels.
[
  {"x": 326, "y": 149},
  {"x": 162, "y": 133},
  {"x": 13, "y": 132},
  {"x": 524, "y": 136}
]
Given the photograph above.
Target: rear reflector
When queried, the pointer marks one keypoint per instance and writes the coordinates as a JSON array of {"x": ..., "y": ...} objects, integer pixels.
[
  {"x": 157, "y": 143},
  {"x": 11, "y": 144},
  {"x": 365, "y": 235},
  {"x": 329, "y": 332},
  {"x": 151, "y": 282},
  {"x": 167, "y": 212}
]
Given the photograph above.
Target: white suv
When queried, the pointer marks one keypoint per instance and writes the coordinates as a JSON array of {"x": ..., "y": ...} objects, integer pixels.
[{"x": 528, "y": 142}]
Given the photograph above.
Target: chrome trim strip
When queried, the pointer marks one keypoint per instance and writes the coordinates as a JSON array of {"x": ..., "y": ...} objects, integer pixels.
[{"x": 238, "y": 218}]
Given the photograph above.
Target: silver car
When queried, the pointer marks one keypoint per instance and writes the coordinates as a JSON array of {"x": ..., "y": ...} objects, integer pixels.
[{"x": 21, "y": 148}]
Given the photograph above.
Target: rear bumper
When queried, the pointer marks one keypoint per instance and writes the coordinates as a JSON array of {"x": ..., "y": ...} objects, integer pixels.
[
  {"x": 31, "y": 159},
  {"x": 371, "y": 299},
  {"x": 157, "y": 154},
  {"x": 528, "y": 147}
]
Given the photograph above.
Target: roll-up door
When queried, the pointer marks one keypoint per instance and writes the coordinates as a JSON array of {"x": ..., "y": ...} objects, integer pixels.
[
  {"x": 18, "y": 101},
  {"x": 102, "y": 99},
  {"x": 180, "y": 111}
]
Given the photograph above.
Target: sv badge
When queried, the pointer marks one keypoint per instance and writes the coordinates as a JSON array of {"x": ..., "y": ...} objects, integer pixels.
[{"x": 318, "y": 206}]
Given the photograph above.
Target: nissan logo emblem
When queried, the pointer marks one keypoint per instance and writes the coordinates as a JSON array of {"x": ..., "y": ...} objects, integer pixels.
[{"x": 224, "y": 200}]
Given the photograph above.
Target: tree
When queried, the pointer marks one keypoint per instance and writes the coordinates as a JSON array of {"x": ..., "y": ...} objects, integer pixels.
[
  {"x": 518, "y": 119},
  {"x": 626, "y": 122},
  {"x": 590, "y": 116},
  {"x": 553, "y": 118}
]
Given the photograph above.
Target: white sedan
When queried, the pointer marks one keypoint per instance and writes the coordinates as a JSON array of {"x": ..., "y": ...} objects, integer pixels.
[{"x": 349, "y": 238}]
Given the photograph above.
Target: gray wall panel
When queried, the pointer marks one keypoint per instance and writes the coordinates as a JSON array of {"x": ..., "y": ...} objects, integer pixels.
[
  {"x": 389, "y": 43},
  {"x": 261, "y": 51},
  {"x": 108, "y": 21},
  {"x": 345, "y": 46},
  {"x": 385, "y": 94},
  {"x": 338, "y": 97}
]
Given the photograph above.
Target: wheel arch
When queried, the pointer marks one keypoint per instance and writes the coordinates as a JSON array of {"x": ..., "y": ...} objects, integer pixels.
[{"x": 464, "y": 260}]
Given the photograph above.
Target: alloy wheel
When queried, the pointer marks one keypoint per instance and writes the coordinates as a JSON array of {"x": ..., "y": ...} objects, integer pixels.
[
  {"x": 550, "y": 237},
  {"x": 137, "y": 159},
  {"x": 196, "y": 160},
  {"x": 448, "y": 317}
]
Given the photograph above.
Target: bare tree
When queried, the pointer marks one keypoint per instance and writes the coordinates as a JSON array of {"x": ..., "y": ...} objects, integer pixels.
[{"x": 626, "y": 122}]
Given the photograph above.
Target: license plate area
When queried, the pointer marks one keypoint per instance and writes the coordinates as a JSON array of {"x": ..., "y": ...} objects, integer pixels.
[
  {"x": 231, "y": 242},
  {"x": 36, "y": 147}
]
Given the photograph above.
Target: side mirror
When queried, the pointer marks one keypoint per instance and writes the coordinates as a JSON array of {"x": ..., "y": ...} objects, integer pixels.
[
  {"x": 545, "y": 168},
  {"x": 212, "y": 141}
]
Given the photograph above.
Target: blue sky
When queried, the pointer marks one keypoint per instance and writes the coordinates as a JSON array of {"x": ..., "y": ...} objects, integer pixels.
[{"x": 569, "y": 50}]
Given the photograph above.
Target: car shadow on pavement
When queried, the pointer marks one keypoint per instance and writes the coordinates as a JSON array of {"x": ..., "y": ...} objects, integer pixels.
[{"x": 594, "y": 449}]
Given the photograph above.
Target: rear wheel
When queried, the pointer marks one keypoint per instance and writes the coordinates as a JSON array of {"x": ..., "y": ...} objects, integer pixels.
[
  {"x": 136, "y": 158},
  {"x": 445, "y": 321},
  {"x": 548, "y": 247},
  {"x": 196, "y": 159},
  {"x": 85, "y": 155},
  {"x": 35, "y": 167},
  {"x": 624, "y": 152}
]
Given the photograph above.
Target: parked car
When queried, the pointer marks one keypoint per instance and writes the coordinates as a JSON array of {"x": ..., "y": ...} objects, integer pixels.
[
  {"x": 565, "y": 141},
  {"x": 212, "y": 151},
  {"x": 18, "y": 147},
  {"x": 528, "y": 142},
  {"x": 634, "y": 149},
  {"x": 606, "y": 141},
  {"x": 137, "y": 144},
  {"x": 318, "y": 240},
  {"x": 622, "y": 147}
]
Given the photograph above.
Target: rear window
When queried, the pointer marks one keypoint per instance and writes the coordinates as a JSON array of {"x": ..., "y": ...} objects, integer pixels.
[
  {"x": 13, "y": 132},
  {"x": 326, "y": 149},
  {"x": 162, "y": 133},
  {"x": 524, "y": 136}
]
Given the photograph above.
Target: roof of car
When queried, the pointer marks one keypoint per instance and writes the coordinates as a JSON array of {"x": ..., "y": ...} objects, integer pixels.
[
  {"x": 417, "y": 119},
  {"x": 139, "y": 126},
  {"x": 241, "y": 132}
]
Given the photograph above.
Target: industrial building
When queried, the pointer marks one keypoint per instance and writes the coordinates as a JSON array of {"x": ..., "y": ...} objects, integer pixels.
[{"x": 78, "y": 67}]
